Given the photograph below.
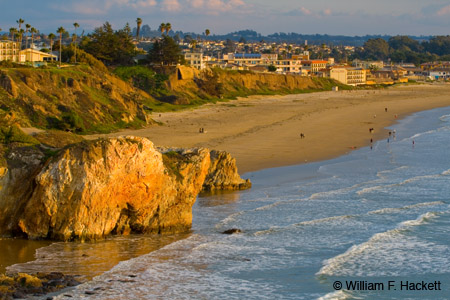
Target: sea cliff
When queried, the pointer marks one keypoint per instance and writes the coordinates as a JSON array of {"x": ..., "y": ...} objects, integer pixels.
[{"x": 110, "y": 186}]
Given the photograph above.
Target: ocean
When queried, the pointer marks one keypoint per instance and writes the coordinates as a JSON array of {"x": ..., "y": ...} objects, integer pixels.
[{"x": 373, "y": 224}]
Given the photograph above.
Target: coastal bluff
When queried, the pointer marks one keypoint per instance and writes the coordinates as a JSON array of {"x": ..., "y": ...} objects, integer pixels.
[{"x": 109, "y": 186}]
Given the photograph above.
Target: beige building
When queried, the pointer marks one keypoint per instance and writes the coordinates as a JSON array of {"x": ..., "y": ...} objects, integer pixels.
[
  {"x": 31, "y": 55},
  {"x": 313, "y": 66},
  {"x": 9, "y": 50},
  {"x": 195, "y": 60},
  {"x": 288, "y": 66},
  {"x": 346, "y": 75}
]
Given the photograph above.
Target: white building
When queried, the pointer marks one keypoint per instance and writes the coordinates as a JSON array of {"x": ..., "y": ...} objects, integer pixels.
[{"x": 195, "y": 60}]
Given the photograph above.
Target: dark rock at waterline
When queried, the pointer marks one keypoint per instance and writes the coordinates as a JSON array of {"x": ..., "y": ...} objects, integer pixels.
[
  {"x": 232, "y": 231},
  {"x": 21, "y": 285}
]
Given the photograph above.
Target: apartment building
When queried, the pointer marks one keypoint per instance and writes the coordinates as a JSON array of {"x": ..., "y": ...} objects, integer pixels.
[
  {"x": 347, "y": 75},
  {"x": 195, "y": 60},
  {"x": 9, "y": 50},
  {"x": 288, "y": 66},
  {"x": 313, "y": 66}
]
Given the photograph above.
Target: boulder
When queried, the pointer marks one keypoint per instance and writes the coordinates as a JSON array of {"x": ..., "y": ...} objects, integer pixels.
[
  {"x": 223, "y": 173},
  {"x": 110, "y": 186}
]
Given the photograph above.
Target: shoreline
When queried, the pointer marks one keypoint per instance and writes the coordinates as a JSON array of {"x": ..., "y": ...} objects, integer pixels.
[{"x": 264, "y": 131}]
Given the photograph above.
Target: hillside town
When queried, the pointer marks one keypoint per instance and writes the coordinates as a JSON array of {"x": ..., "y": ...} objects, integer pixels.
[{"x": 283, "y": 58}]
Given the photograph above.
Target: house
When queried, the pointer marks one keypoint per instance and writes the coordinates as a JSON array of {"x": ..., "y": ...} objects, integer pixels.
[
  {"x": 440, "y": 74},
  {"x": 31, "y": 55}
]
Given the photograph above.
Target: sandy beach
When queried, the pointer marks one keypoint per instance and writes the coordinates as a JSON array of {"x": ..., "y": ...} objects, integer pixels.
[{"x": 264, "y": 131}]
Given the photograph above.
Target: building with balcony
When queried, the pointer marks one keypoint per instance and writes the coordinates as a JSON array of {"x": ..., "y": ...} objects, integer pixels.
[
  {"x": 347, "y": 75},
  {"x": 9, "y": 50}
]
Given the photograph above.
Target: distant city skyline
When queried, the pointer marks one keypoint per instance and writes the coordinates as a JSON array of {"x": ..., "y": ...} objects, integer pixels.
[{"x": 343, "y": 17}]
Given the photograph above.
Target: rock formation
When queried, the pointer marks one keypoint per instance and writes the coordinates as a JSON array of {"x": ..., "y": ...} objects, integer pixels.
[
  {"x": 223, "y": 175},
  {"x": 110, "y": 186}
]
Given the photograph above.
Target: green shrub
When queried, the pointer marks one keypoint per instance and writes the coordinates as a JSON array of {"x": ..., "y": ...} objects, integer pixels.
[
  {"x": 143, "y": 78},
  {"x": 13, "y": 134}
]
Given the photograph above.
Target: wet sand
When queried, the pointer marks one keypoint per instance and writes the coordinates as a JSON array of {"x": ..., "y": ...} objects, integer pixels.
[{"x": 264, "y": 131}]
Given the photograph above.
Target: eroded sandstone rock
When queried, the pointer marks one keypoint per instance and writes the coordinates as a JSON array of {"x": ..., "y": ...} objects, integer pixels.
[
  {"x": 223, "y": 174},
  {"x": 110, "y": 186}
]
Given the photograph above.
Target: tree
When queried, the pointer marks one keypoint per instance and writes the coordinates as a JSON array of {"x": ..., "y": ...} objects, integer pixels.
[
  {"x": 13, "y": 32},
  {"x": 60, "y": 30},
  {"x": 165, "y": 52},
  {"x": 20, "y": 34},
  {"x": 28, "y": 27},
  {"x": 162, "y": 28},
  {"x": 207, "y": 32},
  {"x": 20, "y": 22},
  {"x": 109, "y": 46},
  {"x": 229, "y": 47},
  {"x": 404, "y": 43},
  {"x": 33, "y": 31},
  {"x": 51, "y": 36},
  {"x": 439, "y": 45},
  {"x": 376, "y": 49},
  {"x": 271, "y": 68},
  {"x": 168, "y": 28},
  {"x": 139, "y": 23},
  {"x": 193, "y": 44},
  {"x": 76, "y": 25}
]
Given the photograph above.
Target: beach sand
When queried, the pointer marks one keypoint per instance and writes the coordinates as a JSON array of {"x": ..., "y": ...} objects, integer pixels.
[{"x": 264, "y": 131}]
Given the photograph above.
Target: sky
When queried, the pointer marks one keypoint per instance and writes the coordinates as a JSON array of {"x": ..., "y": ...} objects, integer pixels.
[{"x": 334, "y": 17}]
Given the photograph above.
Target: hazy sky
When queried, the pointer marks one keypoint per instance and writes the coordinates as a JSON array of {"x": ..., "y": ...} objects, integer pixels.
[{"x": 346, "y": 17}]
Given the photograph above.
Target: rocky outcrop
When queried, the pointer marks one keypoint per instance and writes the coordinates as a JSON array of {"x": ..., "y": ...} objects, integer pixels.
[
  {"x": 110, "y": 186},
  {"x": 223, "y": 174},
  {"x": 16, "y": 185},
  {"x": 8, "y": 84}
]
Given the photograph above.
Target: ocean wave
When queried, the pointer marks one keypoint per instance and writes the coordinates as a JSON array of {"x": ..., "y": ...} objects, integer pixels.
[
  {"x": 276, "y": 229},
  {"x": 350, "y": 263},
  {"x": 389, "y": 210},
  {"x": 340, "y": 295},
  {"x": 445, "y": 118},
  {"x": 404, "y": 182}
]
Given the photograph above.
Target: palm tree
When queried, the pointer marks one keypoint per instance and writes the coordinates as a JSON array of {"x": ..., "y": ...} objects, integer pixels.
[
  {"x": 20, "y": 22},
  {"x": 51, "y": 36},
  {"x": 13, "y": 32},
  {"x": 207, "y": 32},
  {"x": 138, "y": 30},
  {"x": 20, "y": 34},
  {"x": 168, "y": 28},
  {"x": 27, "y": 28},
  {"x": 74, "y": 39},
  {"x": 33, "y": 31},
  {"x": 162, "y": 28},
  {"x": 60, "y": 30}
]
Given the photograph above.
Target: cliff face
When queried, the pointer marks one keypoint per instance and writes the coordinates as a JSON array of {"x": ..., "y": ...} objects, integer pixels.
[
  {"x": 114, "y": 186},
  {"x": 78, "y": 98},
  {"x": 189, "y": 83}
]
